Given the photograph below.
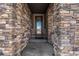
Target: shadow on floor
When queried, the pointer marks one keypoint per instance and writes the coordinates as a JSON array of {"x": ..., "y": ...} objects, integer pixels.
[{"x": 38, "y": 47}]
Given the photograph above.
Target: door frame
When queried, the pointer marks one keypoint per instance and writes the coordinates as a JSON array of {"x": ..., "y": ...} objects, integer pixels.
[{"x": 34, "y": 15}]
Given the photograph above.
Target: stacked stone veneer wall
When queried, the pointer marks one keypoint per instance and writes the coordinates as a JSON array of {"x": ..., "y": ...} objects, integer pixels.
[
  {"x": 53, "y": 26},
  {"x": 69, "y": 29},
  {"x": 63, "y": 28},
  {"x": 49, "y": 18},
  {"x": 14, "y": 28}
]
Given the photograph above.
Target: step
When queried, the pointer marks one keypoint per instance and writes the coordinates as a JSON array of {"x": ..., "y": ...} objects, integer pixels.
[{"x": 37, "y": 40}]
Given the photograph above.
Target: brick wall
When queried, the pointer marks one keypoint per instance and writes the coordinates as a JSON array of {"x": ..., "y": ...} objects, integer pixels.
[{"x": 14, "y": 28}]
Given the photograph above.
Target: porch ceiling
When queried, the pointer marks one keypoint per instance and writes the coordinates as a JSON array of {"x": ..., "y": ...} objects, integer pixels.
[{"x": 38, "y": 7}]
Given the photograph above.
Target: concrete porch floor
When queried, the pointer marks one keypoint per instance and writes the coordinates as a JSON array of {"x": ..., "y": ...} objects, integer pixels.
[{"x": 39, "y": 47}]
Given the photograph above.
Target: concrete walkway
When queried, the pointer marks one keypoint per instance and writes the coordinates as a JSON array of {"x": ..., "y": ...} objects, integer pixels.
[{"x": 39, "y": 47}]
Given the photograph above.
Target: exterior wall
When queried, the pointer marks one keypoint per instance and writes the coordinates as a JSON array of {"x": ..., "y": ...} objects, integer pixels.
[
  {"x": 49, "y": 17},
  {"x": 14, "y": 28},
  {"x": 69, "y": 29},
  {"x": 63, "y": 26},
  {"x": 53, "y": 27}
]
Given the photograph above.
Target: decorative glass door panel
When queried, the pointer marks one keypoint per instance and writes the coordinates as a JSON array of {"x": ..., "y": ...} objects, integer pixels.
[{"x": 38, "y": 24}]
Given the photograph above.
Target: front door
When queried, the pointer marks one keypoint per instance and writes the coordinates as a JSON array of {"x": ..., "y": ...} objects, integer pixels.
[{"x": 38, "y": 24}]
